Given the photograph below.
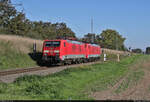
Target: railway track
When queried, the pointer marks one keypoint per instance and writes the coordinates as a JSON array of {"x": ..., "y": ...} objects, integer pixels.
[
  {"x": 26, "y": 70},
  {"x": 16, "y": 71}
]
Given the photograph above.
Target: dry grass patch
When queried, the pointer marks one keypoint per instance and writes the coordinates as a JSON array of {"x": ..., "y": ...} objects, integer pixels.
[{"x": 22, "y": 44}]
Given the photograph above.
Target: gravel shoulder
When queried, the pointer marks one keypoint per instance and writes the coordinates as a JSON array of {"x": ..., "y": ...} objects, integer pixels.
[{"x": 50, "y": 70}]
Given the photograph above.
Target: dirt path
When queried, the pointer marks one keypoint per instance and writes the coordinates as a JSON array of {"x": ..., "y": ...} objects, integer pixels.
[{"x": 139, "y": 91}]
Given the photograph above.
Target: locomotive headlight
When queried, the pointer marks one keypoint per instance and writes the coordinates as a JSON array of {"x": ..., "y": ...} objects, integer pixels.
[
  {"x": 56, "y": 51},
  {"x": 46, "y": 51}
]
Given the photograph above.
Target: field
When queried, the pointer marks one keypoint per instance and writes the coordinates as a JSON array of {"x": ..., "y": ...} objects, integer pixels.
[{"x": 85, "y": 82}]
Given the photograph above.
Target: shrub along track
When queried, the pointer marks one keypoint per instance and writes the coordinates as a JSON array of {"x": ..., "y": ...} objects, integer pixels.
[{"x": 8, "y": 76}]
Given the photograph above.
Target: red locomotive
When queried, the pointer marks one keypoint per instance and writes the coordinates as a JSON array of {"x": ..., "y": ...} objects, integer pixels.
[{"x": 69, "y": 51}]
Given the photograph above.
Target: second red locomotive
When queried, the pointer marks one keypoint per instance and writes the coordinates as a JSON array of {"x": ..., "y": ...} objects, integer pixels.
[{"x": 69, "y": 51}]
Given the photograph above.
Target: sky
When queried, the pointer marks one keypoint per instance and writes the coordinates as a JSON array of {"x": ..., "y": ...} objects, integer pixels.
[{"x": 131, "y": 18}]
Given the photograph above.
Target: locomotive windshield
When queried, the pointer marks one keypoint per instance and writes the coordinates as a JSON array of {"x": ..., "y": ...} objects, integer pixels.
[{"x": 52, "y": 43}]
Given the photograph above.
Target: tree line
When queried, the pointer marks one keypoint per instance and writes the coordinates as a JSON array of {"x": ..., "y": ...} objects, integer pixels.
[
  {"x": 15, "y": 22},
  {"x": 107, "y": 39}
]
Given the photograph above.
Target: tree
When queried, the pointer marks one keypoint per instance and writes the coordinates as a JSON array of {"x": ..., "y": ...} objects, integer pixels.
[
  {"x": 137, "y": 50},
  {"x": 7, "y": 11},
  {"x": 90, "y": 38},
  {"x": 148, "y": 50},
  {"x": 63, "y": 30},
  {"x": 111, "y": 39},
  {"x": 14, "y": 22},
  {"x": 19, "y": 24}
]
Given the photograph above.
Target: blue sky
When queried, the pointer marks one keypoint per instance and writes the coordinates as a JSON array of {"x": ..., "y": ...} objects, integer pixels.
[{"x": 131, "y": 18}]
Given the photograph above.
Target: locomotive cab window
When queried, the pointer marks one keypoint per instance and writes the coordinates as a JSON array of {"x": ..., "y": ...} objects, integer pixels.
[{"x": 52, "y": 43}]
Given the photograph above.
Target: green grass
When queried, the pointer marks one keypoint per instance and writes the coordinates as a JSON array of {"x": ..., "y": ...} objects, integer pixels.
[
  {"x": 13, "y": 58},
  {"x": 131, "y": 80},
  {"x": 135, "y": 73},
  {"x": 73, "y": 83}
]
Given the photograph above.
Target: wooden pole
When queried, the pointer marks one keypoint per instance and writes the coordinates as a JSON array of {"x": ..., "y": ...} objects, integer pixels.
[{"x": 118, "y": 57}]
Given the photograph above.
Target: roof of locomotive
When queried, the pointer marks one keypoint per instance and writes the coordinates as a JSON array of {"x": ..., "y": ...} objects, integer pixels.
[
  {"x": 53, "y": 40},
  {"x": 75, "y": 42},
  {"x": 72, "y": 41}
]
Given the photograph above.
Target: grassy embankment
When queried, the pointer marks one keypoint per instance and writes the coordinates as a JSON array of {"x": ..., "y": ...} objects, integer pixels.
[
  {"x": 75, "y": 83},
  {"x": 16, "y": 51},
  {"x": 11, "y": 57}
]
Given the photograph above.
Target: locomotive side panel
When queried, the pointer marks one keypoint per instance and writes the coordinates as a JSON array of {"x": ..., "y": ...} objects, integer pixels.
[
  {"x": 74, "y": 50},
  {"x": 93, "y": 52}
]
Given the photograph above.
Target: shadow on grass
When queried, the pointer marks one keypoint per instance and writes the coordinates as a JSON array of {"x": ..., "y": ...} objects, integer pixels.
[{"x": 37, "y": 56}]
